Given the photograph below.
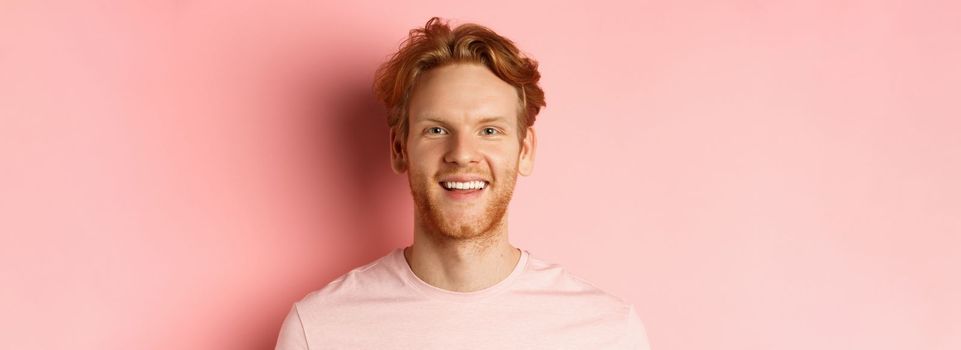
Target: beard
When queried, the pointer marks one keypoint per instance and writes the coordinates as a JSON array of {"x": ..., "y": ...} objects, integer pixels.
[{"x": 436, "y": 215}]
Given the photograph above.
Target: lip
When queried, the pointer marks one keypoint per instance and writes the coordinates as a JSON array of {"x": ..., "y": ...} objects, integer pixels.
[
  {"x": 464, "y": 178},
  {"x": 461, "y": 195},
  {"x": 464, "y": 195}
]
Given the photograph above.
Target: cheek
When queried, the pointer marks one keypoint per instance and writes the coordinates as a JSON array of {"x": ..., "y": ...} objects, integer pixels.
[
  {"x": 417, "y": 157},
  {"x": 422, "y": 166},
  {"x": 428, "y": 156},
  {"x": 504, "y": 158},
  {"x": 420, "y": 152}
]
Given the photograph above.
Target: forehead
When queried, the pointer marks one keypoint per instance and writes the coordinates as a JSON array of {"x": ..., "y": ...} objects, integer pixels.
[{"x": 462, "y": 93}]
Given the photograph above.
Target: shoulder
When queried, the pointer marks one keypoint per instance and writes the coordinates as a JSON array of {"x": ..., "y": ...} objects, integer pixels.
[
  {"x": 357, "y": 283},
  {"x": 553, "y": 279},
  {"x": 577, "y": 295}
]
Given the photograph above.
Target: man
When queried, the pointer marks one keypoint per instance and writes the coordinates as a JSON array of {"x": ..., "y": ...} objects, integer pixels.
[{"x": 461, "y": 105}]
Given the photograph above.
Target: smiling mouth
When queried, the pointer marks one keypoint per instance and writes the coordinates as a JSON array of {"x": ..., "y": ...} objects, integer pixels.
[{"x": 467, "y": 186}]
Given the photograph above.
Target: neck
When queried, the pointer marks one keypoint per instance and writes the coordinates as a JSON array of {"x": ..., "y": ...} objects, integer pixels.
[{"x": 462, "y": 265}]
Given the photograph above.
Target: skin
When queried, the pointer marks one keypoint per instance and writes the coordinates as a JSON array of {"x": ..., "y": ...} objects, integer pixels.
[{"x": 463, "y": 121}]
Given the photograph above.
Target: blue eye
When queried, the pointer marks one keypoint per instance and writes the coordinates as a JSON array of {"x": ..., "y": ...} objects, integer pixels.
[
  {"x": 490, "y": 131},
  {"x": 436, "y": 130}
]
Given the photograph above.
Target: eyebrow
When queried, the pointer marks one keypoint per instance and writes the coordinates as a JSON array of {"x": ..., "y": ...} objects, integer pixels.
[{"x": 482, "y": 121}]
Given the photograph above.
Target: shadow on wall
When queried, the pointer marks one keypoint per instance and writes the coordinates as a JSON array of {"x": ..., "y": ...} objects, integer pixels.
[
  {"x": 347, "y": 137},
  {"x": 363, "y": 150}
]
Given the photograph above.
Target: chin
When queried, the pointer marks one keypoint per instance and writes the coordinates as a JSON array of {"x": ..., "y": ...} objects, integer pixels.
[
  {"x": 461, "y": 226},
  {"x": 460, "y": 221}
]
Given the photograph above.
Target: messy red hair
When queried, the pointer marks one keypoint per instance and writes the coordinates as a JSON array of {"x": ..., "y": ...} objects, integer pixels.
[{"x": 437, "y": 45}]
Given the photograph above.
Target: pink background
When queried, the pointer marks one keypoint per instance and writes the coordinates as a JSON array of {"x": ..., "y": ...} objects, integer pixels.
[{"x": 751, "y": 175}]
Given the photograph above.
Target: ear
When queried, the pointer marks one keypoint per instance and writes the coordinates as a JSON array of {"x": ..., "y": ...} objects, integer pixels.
[
  {"x": 398, "y": 152},
  {"x": 525, "y": 164}
]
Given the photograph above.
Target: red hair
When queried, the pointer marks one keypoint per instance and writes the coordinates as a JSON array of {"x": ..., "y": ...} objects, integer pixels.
[{"x": 436, "y": 45}]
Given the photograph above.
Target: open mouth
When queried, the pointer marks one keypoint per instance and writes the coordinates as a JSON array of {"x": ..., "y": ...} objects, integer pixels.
[{"x": 466, "y": 186}]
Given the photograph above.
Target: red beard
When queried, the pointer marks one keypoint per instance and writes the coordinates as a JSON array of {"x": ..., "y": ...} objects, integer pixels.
[{"x": 428, "y": 195}]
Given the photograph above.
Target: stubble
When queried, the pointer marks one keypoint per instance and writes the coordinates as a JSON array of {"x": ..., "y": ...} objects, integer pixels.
[{"x": 445, "y": 228}]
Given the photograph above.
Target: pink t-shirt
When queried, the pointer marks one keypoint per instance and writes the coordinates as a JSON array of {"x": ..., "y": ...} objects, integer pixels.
[{"x": 384, "y": 305}]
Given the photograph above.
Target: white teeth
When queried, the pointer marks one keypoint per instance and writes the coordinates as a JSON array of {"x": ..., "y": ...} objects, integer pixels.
[{"x": 470, "y": 185}]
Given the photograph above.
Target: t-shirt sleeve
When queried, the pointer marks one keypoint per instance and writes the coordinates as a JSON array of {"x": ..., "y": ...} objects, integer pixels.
[
  {"x": 292, "y": 335},
  {"x": 636, "y": 331}
]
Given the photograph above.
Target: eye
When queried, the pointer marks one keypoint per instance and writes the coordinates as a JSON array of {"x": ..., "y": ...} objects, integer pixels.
[
  {"x": 491, "y": 131},
  {"x": 436, "y": 130}
]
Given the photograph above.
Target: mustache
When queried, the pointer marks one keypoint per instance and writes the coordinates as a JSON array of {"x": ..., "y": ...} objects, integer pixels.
[{"x": 442, "y": 175}]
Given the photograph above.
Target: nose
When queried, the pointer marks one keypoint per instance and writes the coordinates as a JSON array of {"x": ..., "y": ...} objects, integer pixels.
[{"x": 462, "y": 150}]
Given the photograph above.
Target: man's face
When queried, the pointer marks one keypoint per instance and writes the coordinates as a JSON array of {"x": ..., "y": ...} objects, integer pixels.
[{"x": 463, "y": 153}]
